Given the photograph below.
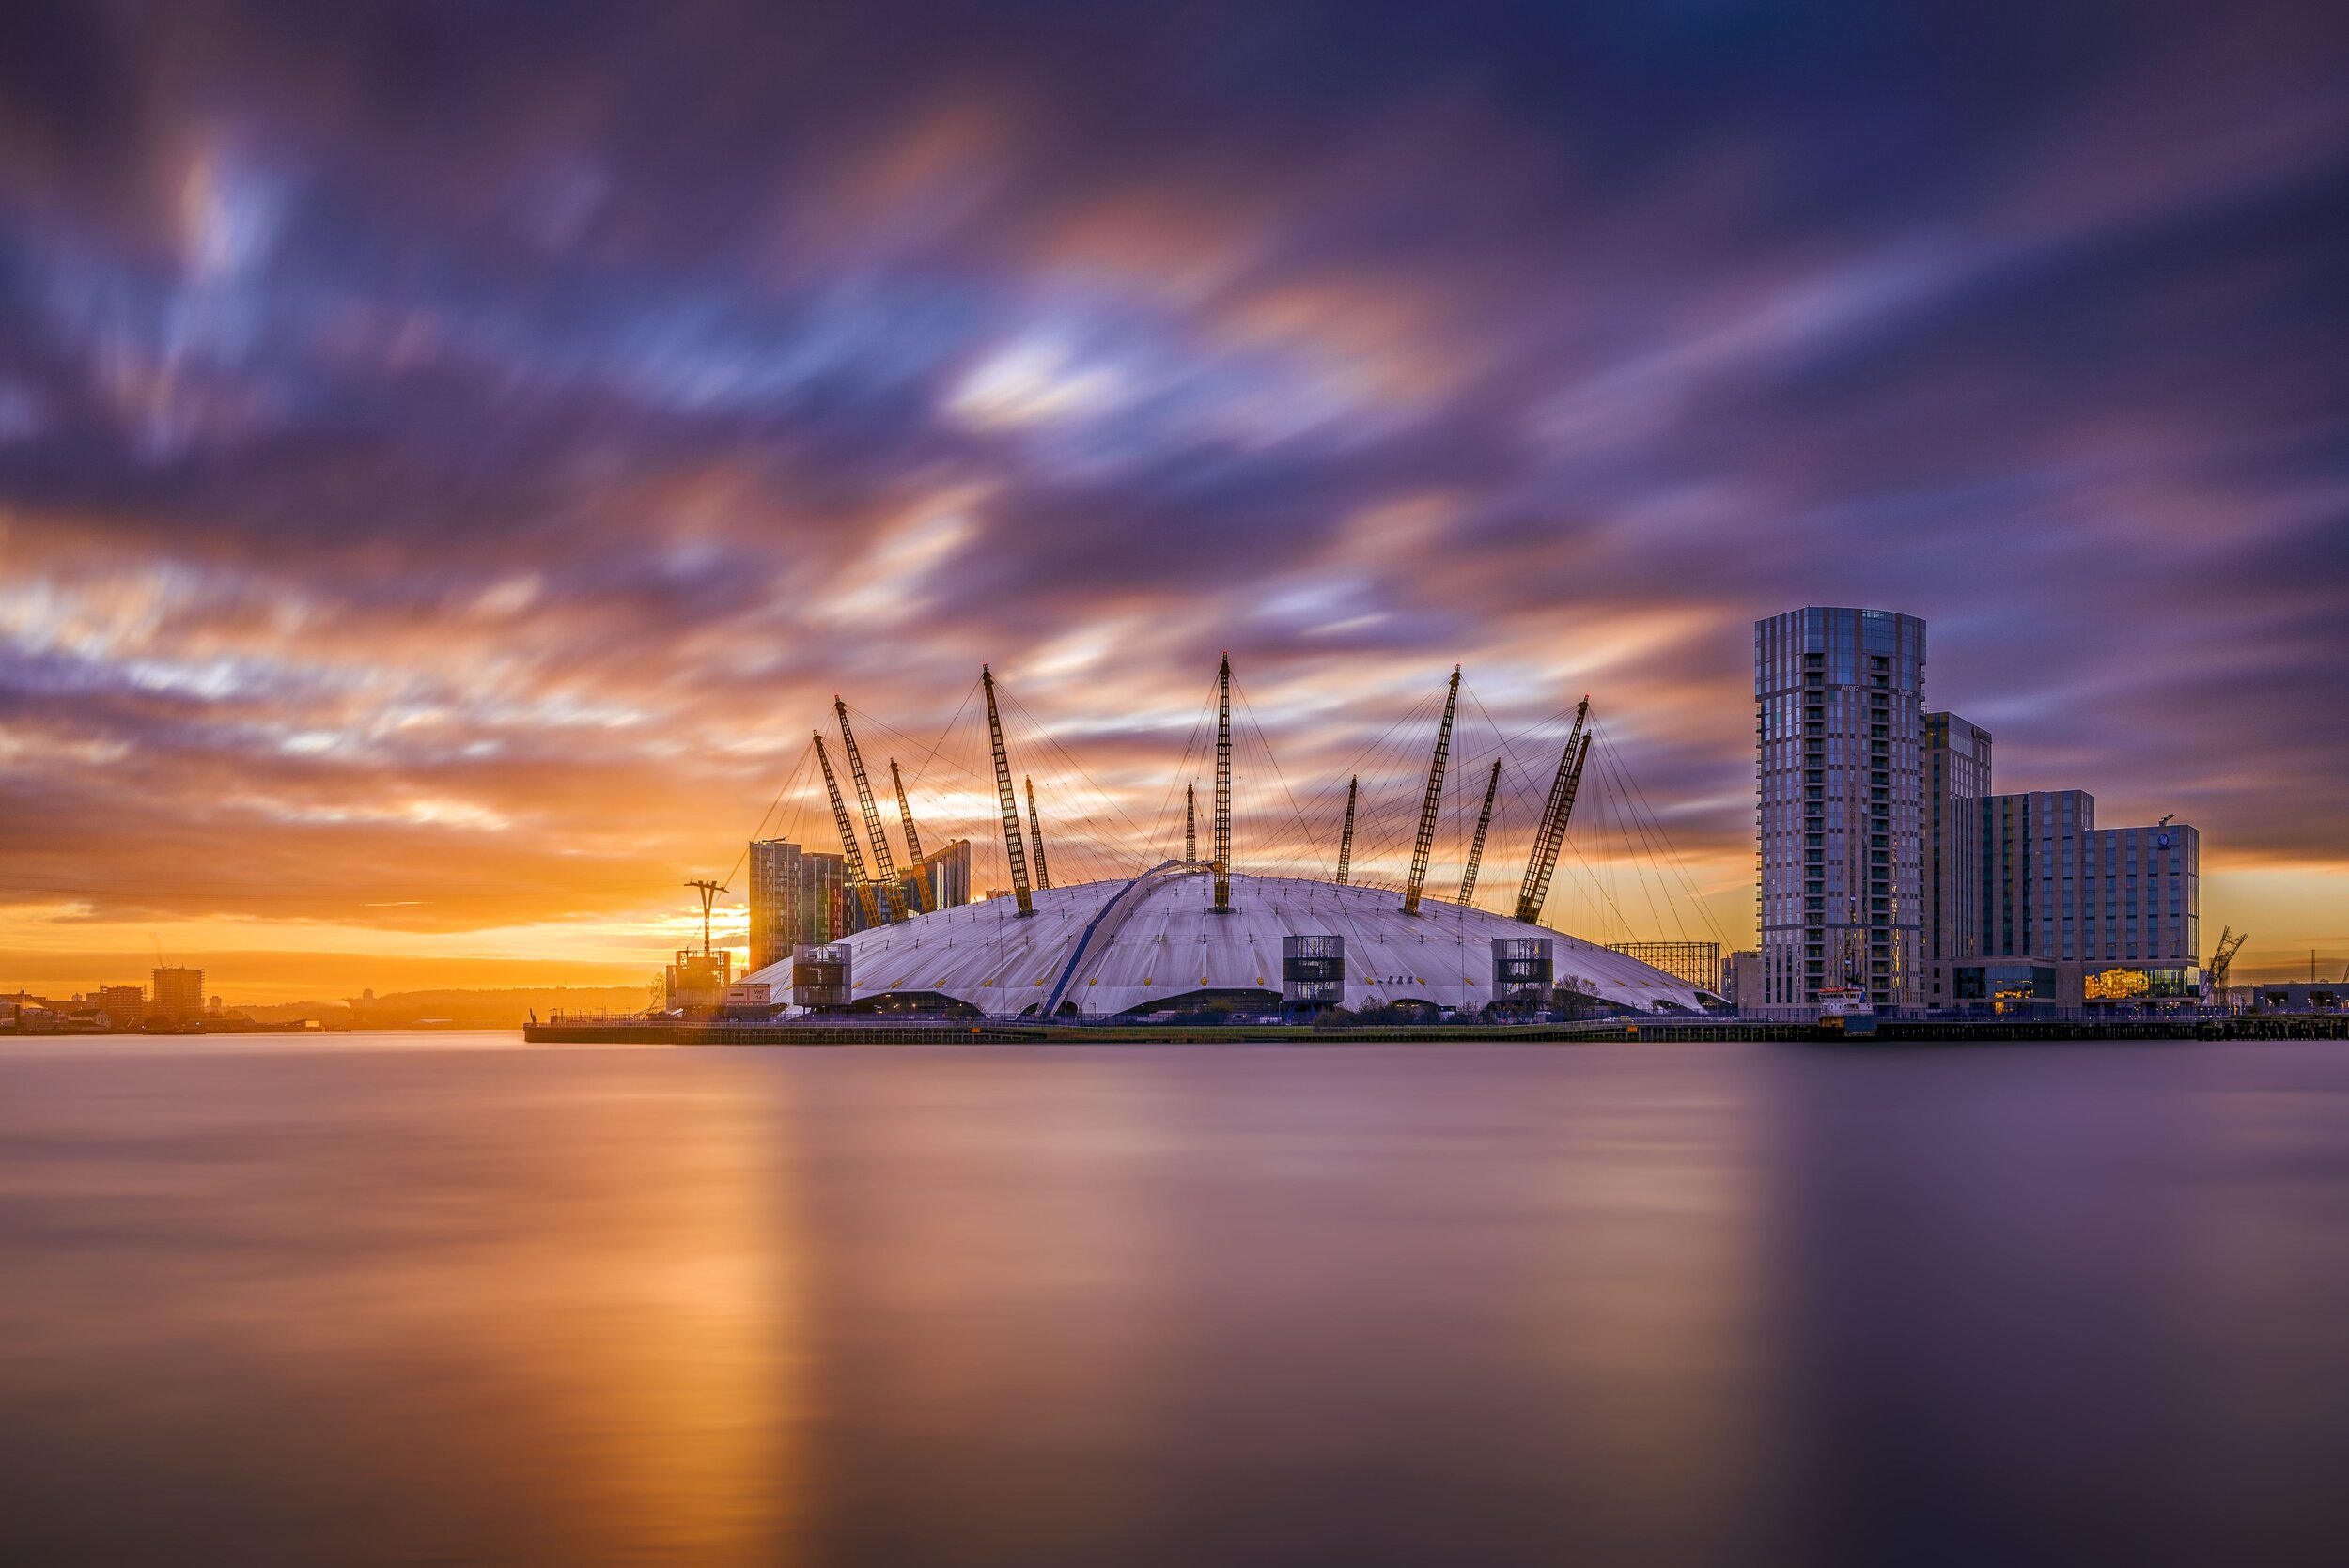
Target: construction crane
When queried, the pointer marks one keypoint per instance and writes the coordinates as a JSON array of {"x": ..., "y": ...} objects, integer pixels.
[
  {"x": 709, "y": 891},
  {"x": 885, "y": 863},
  {"x": 1191, "y": 824},
  {"x": 2222, "y": 957},
  {"x": 1551, "y": 835},
  {"x": 1432, "y": 801},
  {"x": 913, "y": 842},
  {"x": 848, "y": 850},
  {"x": 1223, "y": 905},
  {"x": 1476, "y": 845},
  {"x": 1014, "y": 852},
  {"x": 1345, "y": 834},
  {"x": 1035, "y": 832}
]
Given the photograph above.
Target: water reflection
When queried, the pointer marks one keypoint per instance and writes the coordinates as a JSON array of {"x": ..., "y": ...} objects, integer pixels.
[
  {"x": 2023, "y": 1315},
  {"x": 2265, "y": 1282},
  {"x": 437, "y": 1299},
  {"x": 392, "y": 1306},
  {"x": 1175, "y": 1307}
]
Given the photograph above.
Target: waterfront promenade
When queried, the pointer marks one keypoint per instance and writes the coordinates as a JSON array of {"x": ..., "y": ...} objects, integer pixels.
[{"x": 1889, "y": 1030}]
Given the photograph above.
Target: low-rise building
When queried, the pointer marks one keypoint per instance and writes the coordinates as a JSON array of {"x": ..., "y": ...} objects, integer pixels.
[
  {"x": 697, "y": 982},
  {"x": 1741, "y": 979},
  {"x": 2298, "y": 996},
  {"x": 125, "y": 1006},
  {"x": 1698, "y": 963}
]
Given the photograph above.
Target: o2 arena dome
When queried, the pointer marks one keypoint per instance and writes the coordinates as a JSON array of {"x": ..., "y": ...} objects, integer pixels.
[
  {"x": 1155, "y": 943},
  {"x": 1194, "y": 933}
]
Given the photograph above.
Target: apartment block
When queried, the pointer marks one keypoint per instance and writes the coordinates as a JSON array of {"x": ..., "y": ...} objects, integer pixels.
[{"x": 1840, "y": 802}]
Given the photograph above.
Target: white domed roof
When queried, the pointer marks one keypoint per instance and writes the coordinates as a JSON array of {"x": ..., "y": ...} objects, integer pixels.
[{"x": 1119, "y": 946}]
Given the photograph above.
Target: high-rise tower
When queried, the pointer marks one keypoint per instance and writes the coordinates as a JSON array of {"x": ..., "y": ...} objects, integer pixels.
[
  {"x": 1957, "y": 776},
  {"x": 1840, "y": 802}
]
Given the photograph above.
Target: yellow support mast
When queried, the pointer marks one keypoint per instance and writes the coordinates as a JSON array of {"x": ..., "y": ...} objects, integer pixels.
[
  {"x": 1345, "y": 834},
  {"x": 1476, "y": 845},
  {"x": 1424, "y": 846},
  {"x": 1223, "y": 905},
  {"x": 1551, "y": 836},
  {"x": 1035, "y": 832},
  {"x": 885, "y": 863},
  {"x": 1014, "y": 852},
  {"x": 913, "y": 842},
  {"x": 848, "y": 850}
]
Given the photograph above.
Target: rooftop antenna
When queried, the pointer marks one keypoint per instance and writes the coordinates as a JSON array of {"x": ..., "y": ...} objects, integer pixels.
[
  {"x": 1190, "y": 823},
  {"x": 1430, "y": 804},
  {"x": 709, "y": 891}
]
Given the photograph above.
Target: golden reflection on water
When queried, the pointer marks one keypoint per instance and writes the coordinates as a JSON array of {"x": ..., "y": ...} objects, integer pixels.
[
  {"x": 655, "y": 1347},
  {"x": 542, "y": 1319}
]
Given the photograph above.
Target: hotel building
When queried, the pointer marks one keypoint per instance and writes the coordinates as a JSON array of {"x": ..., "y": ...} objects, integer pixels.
[{"x": 2121, "y": 904}]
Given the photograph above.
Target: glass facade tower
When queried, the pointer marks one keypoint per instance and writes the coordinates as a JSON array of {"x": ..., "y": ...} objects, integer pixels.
[{"x": 1839, "y": 704}]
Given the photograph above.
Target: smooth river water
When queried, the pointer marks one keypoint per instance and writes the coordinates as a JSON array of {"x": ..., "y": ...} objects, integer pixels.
[{"x": 449, "y": 1299}]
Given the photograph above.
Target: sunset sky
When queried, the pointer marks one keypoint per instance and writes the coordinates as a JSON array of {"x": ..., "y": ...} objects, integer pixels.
[{"x": 450, "y": 456}]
